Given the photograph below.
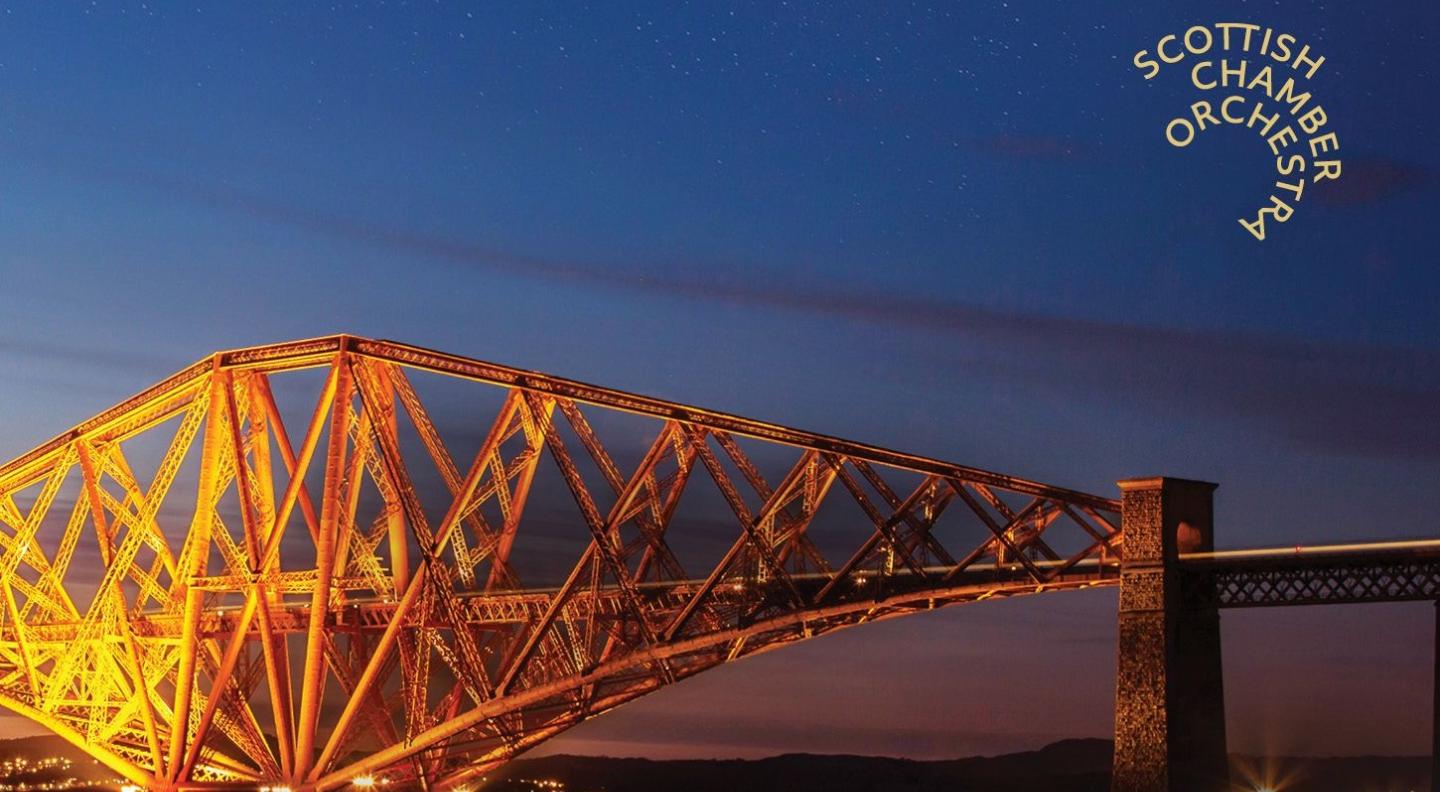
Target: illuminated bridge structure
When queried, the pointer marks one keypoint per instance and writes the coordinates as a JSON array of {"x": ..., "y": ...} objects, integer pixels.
[{"x": 307, "y": 564}]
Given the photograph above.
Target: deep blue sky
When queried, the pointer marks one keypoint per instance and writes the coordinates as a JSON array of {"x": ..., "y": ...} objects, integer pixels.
[{"x": 953, "y": 229}]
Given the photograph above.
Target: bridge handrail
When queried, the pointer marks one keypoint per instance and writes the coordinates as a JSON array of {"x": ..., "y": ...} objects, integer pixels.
[{"x": 1313, "y": 550}]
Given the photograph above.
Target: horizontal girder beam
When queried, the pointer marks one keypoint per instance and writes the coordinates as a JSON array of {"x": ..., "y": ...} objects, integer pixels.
[
  {"x": 497, "y": 608},
  {"x": 316, "y": 352},
  {"x": 1356, "y": 575}
]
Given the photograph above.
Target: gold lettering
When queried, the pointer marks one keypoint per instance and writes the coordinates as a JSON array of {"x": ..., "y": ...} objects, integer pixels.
[
  {"x": 1209, "y": 40},
  {"x": 1304, "y": 57},
  {"x": 1287, "y": 94},
  {"x": 1328, "y": 169},
  {"x": 1202, "y": 113},
  {"x": 1142, "y": 62},
  {"x": 1277, "y": 141},
  {"x": 1326, "y": 142},
  {"x": 1257, "y": 115},
  {"x": 1280, "y": 210},
  {"x": 1313, "y": 120},
  {"x": 1289, "y": 165},
  {"x": 1189, "y": 132},
  {"x": 1160, "y": 50},
  {"x": 1262, "y": 79},
  {"x": 1239, "y": 74},
  {"x": 1195, "y": 76},
  {"x": 1225, "y": 109}
]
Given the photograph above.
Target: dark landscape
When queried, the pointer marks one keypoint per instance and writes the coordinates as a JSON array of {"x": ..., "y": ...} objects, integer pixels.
[{"x": 1078, "y": 765}]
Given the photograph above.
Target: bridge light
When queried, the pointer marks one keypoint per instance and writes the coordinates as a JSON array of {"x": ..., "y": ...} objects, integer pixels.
[{"x": 363, "y": 782}]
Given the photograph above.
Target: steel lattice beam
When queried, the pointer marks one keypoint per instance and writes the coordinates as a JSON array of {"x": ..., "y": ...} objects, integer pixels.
[
  {"x": 1355, "y": 577},
  {"x": 256, "y": 601}
]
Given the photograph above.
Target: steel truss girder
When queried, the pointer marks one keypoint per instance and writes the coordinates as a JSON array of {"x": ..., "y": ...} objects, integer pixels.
[
  {"x": 218, "y": 637},
  {"x": 1349, "y": 578}
]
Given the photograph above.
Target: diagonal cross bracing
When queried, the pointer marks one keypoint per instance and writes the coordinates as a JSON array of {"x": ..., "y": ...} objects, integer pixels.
[{"x": 297, "y": 563}]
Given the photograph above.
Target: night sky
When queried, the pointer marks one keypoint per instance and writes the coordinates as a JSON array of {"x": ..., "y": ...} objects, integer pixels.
[{"x": 956, "y": 230}]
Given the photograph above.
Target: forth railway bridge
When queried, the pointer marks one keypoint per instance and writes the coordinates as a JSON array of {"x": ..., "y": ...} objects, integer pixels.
[{"x": 276, "y": 568}]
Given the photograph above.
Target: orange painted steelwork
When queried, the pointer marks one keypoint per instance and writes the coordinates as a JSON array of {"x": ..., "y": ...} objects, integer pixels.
[{"x": 300, "y": 609}]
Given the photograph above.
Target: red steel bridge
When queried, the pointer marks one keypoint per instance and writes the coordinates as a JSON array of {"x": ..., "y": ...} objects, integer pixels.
[{"x": 309, "y": 564}]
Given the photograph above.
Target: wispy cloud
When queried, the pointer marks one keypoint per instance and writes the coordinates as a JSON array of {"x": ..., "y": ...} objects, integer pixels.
[
  {"x": 84, "y": 356},
  {"x": 1371, "y": 180},
  {"x": 1369, "y": 400}
]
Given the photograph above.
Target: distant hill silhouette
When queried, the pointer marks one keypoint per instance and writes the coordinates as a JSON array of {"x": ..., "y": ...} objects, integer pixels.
[
  {"x": 1068, "y": 766},
  {"x": 1080, "y": 765}
]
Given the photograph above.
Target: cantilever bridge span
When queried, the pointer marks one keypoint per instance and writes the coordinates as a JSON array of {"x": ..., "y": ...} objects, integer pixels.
[{"x": 301, "y": 564}]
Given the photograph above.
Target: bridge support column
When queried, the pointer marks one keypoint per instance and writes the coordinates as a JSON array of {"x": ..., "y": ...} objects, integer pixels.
[
  {"x": 1169, "y": 696},
  {"x": 1435, "y": 710}
]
